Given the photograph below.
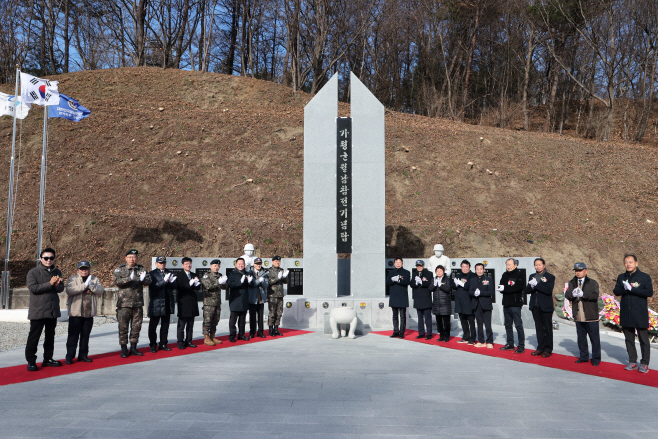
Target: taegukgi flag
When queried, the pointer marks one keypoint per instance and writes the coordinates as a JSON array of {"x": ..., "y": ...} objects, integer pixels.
[
  {"x": 10, "y": 105},
  {"x": 38, "y": 91},
  {"x": 68, "y": 108}
]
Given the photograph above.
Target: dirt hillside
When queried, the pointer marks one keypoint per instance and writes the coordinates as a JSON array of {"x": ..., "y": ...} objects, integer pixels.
[{"x": 183, "y": 163}]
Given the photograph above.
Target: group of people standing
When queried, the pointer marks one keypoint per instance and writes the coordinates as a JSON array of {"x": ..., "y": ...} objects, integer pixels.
[
  {"x": 473, "y": 293},
  {"x": 250, "y": 287}
]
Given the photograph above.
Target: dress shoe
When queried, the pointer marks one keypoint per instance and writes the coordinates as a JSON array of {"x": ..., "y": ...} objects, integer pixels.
[
  {"x": 581, "y": 361},
  {"x": 32, "y": 367},
  {"x": 252, "y": 334},
  {"x": 489, "y": 345},
  {"x": 537, "y": 353},
  {"x": 85, "y": 359},
  {"x": 395, "y": 335},
  {"x": 480, "y": 345},
  {"x": 276, "y": 330},
  {"x": 401, "y": 335},
  {"x": 67, "y": 361},
  {"x": 189, "y": 344},
  {"x": 231, "y": 338},
  {"x": 507, "y": 348},
  {"x": 595, "y": 363},
  {"x": 51, "y": 363},
  {"x": 471, "y": 343},
  {"x": 420, "y": 336},
  {"x": 164, "y": 347},
  {"x": 124, "y": 351},
  {"x": 134, "y": 351},
  {"x": 428, "y": 337},
  {"x": 181, "y": 345},
  {"x": 154, "y": 348},
  {"x": 519, "y": 350},
  {"x": 546, "y": 354},
  {"x": 261, "y": 335},
  {"x": 243, "y": 338}
]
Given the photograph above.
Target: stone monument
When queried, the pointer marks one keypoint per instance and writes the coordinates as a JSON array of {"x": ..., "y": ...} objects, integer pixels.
[{"x": 439, "y": 259}]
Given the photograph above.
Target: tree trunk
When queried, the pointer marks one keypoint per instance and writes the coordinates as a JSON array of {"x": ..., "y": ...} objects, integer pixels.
[{"x": 469, "y": 62}]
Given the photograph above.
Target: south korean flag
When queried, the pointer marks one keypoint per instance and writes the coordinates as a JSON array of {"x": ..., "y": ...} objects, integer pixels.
[{"x": 38, "y": 91}]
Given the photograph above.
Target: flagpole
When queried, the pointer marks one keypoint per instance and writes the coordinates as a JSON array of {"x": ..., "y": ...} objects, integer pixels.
[
  {"x": 42, "y": 185},
  {"x": 5, "y": 273}
]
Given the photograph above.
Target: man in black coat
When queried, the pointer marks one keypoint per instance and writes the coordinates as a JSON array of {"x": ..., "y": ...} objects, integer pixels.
[
  {"x": 463, "y": 304},
  {"x": 187, "y": 285},
  {"x": 162, "y": 304},
  {"x": 44, "y": 282},
  {"x": 421, "y": 280},
  {"x": 634, "y": 287},
  {"x": 398, "y": 281},
  {"x": 511, "y": 285},
  {"x": 583, "y": 292},
  {"x": 238, "y": 282},
  {"x": 540, "y": 287},
  {"x": 481, "y": 291}
]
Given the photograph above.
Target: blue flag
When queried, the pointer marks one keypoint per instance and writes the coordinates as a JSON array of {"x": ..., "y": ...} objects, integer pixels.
[{"x": 68, "y": 108}]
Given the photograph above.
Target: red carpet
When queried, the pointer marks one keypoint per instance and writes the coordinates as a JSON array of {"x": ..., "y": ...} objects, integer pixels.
[
  {"x": 556, "y": 361},
  {"x": 19, "y": 374}
]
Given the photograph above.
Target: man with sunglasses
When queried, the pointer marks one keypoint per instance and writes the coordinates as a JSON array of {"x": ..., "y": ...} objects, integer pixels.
[{"x": 44, "y": 282}]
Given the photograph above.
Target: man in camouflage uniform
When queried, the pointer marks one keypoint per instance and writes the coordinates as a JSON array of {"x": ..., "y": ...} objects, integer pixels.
[
  {"x": 130, "y": 278},
  {"x": 277, "y": 277},
  {"x": 213, "y": 282}
]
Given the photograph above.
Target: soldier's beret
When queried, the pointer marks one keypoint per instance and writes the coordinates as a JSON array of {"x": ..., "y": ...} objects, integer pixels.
[
  {"x": 215, "y": 261},
  {"x": 276, "y": 258},
  {"x": 132, "y": 251}
]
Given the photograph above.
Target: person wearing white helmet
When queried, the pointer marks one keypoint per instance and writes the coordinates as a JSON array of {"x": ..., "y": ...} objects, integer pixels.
[{"x": 439, "y": 259}]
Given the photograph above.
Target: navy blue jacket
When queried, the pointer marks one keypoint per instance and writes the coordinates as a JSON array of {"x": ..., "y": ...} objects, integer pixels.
[
  {"x": 162, "y": 295},
  {"x": 238, "y": 293},
  {"x": 421, "y": 292},
  {"x": 462, "y": 297},
  {"x": 188, "y": 306},
  {"x": 542, "y": 294},
  {"x": 486, "y": 286}
]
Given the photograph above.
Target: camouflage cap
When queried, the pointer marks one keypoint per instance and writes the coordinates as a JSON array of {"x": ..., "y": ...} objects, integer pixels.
[{"x": 132, "y": 251}]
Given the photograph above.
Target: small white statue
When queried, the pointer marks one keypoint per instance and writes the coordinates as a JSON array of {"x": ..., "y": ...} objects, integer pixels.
[
  {"x": 342, "y": 316},
  {"x": 439, "y": 259},
  {"x": 248, "y": 256}
]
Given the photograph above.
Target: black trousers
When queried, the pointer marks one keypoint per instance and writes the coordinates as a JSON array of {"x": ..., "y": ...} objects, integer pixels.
[
  {"x": 468, "y": 327},
  {"x": 185, "y": 328},
  {"x": 629, "y": 334},
  {"x": 424, "y": 321},
  {"x": 483, "y": 318},
  {"x": 591, "y": 329},
  {"x": 79, "y": 328},
  {"x": 443, "y": 326},
  {"x": 544, "y": 329},
  {"x": 36, "y": 328},
  {"x": 399, "y": 325},
  {"x": 513, "y": 317},
  {"x": 164, "y": 329},
  {"x": 241, "y": 318},
  {"x": 255, "y": 312}
]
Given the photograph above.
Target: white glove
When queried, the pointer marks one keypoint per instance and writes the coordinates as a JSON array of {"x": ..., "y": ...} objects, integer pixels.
[
  {"x": 132, "y": 275},
  {"x": 243, "y": 278},
  {"x": 533, "y": 282},
  {"x": 88, "y": 281},
  {"x": 172, "y": 279},
  {"x": 196, "y": 282},
  {"x": 285, "y": 273},
  {"x": 459, "y": 283},
  {"x": 436, "y": 281},
  {"x": 501, "y": 288},
  {"x": 577, "y": 292},
  {"x": 167, "y": 276},
  {"x": 418, "y": 280},
  {"x": 192, "y": 281},
  {"x": 477, "y": 292},
  {"x": 395, "y": 278},
  {"x": 142, "y": 275},
  {"x": 627, "y": 285},
  {"x": 250, "y": 278},
  {"x": 280, "y": 274},
  {"x": 222, "y": 280}
]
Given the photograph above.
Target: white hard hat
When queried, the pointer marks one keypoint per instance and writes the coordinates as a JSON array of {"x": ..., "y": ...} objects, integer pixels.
[
  {"x": 438, "y": 247},
  {"x": 249, "y": 247}
]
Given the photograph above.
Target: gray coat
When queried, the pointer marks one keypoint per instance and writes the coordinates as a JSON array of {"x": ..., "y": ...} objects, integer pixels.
[
  {"x": 260, "y": 286},
  {"x": 44, "y": 300}
]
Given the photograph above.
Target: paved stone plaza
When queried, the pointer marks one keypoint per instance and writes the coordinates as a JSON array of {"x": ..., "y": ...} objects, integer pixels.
[{"x": 310, "y": 386}]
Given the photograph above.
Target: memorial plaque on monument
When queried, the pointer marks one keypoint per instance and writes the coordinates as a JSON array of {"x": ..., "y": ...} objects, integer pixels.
[
  {"x": 490, "y": 272},
  {"x": 228, "y": 271},
  {"x": 295, "y": 282},
  {"x": 344, "y": 184}
]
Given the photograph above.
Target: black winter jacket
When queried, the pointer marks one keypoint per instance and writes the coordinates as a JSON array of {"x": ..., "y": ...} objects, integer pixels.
[
  {"x": 462, "y": 297},
  {"x": 590, "y": 300},
  {"x": 162, "y": 295},
  {"x": 238, "y": 295},
  {"x": 542, "y": 294},
  {"x": 44, "y": 300},
  {"x": 442, "y": 297},
  {"x": 633, "y": 307},
  {"x": 188, "y": 306},
  {"x": 486, "y": 286},
  {"x": 398, "y": 291},
  {"x": 421, "y": 292},
  {"x": 514, "y": 284}
]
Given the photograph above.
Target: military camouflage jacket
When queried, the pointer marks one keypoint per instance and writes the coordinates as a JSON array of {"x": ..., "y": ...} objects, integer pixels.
[
  {"x": 131, "y": 291},
  {"x": 275, "y": 289},
  {"x": 212, "y": 294}
]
